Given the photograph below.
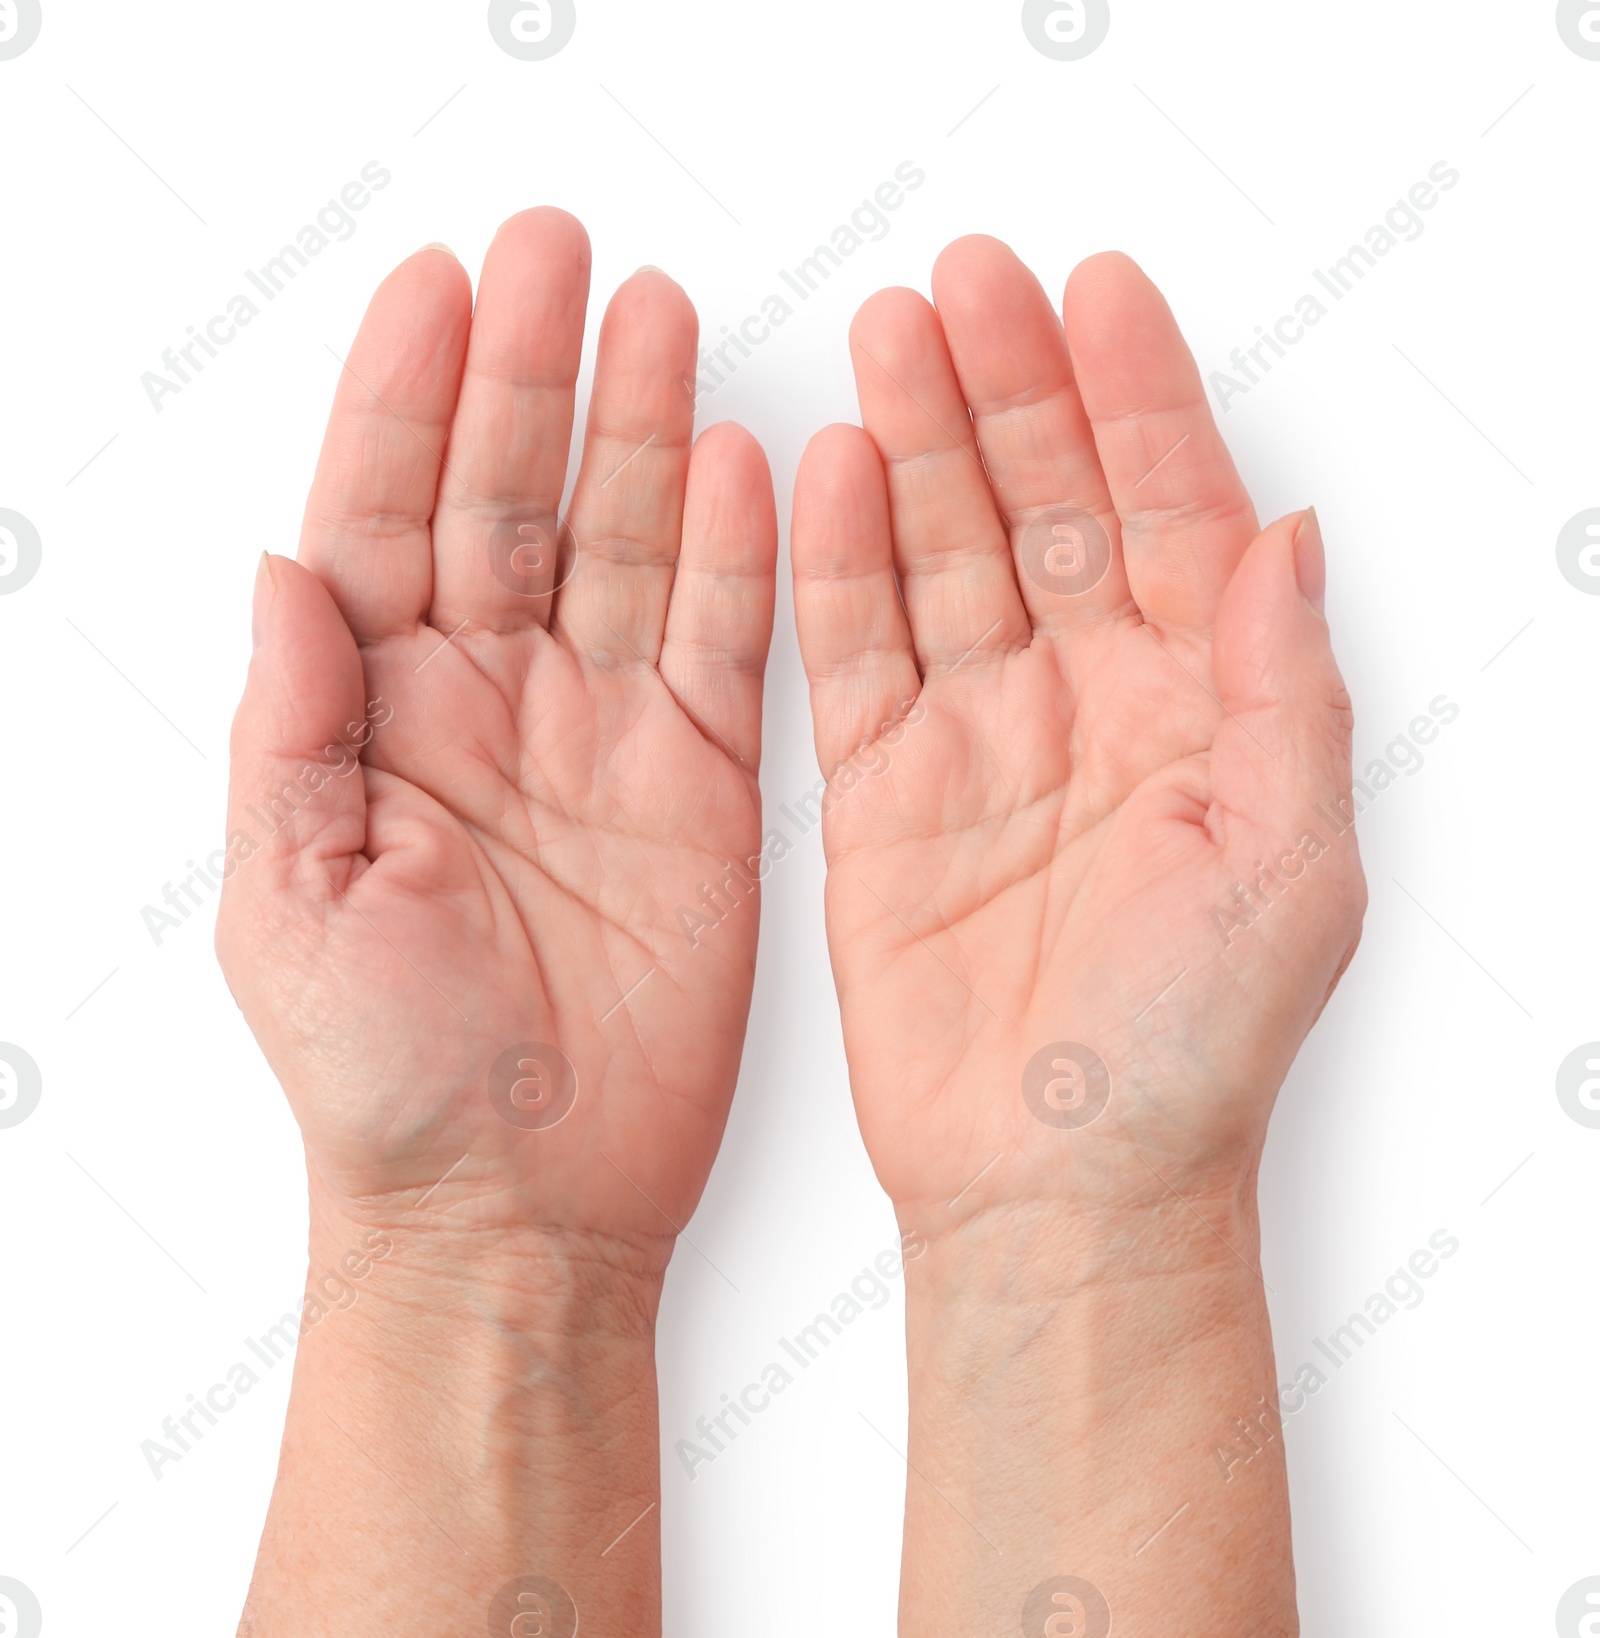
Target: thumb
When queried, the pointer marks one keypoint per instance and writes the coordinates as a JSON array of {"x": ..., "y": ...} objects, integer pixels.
[
  {"x": 296, "y": 801},
  {"x": 1281, "y": 758}
]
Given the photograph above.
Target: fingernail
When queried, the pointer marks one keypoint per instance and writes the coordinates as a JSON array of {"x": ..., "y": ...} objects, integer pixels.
[
  {"x": 262, "y": 596},
  {"x": 1310, "y": 560},
  {"x": 437, "y": 246},
  {"x": 650, "y": 267}
]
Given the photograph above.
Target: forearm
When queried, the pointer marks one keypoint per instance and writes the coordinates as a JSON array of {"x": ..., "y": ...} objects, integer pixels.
[
  {"x": 1096, "y": 1400},
  {"x": 482, "y": 1410}
]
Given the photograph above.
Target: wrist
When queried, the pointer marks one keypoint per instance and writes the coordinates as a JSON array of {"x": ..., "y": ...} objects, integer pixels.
[
  {"x": 430, "y": 1268},
  {"x": 1073, "y": 1377},
  {"x": 526, "y": 1351},
  {"x": 995, "y": 1294},
  {"x": 473, "y": 1414},
  {"x": 1136, "y": 1230}
]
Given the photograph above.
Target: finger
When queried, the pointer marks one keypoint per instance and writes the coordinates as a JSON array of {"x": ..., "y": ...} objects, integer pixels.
[
  {"x": 366, "y": 530},
  {"x": 1186, "y": 519},
  {"x": 296, "y": 806},
  {"x": 627, "y": 505},
  {"x": 495, "y": 531},
  {"x": 719, "y": 620},
  {"x": 952, "y": 552},
  {"x": 1010, "y": 356},
  {"x": 1283, "y": 748},
  {"x": 854, "y": 637},
  {"x": 1280, "y": 769}
]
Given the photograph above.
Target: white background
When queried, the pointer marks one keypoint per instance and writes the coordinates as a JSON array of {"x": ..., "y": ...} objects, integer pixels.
[{"x": 151, "y": 1210}]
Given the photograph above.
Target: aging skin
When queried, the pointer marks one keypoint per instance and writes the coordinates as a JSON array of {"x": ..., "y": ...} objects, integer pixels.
[
  {"x": 558, "y": 773},
  {"x": 1102, "y": 713},
  {"x": 1129, "y": 706}
]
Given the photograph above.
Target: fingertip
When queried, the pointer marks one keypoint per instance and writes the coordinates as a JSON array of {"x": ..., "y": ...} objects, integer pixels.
[
  {"x": 889, "y": 300},
  {"x": 432, "y": 274},
  {"x": 651, "y": 311},
  {"x": 731, "y": 439},
  {"x": 260, "y": 600},
  {"x": 971, "y": 266},
  {"x": 891, "y": 325},
  {"x": 1106, "y": 273},
  {"x": 971, "y": 250},
  {"x": 413, "y": 337},
  {"x": 652, "y": 289},
  {"x": 533, "y": 292},
  {"x": 855, "y": 642},
  {"x": 1269, "y": 633},
  {"x": 836, "y": 442},
  {"x": 1110, "y": 299},
  {"x": 649, "y": 274},
  {"x": 1293, "y": 547},
  {"x": 1311, "y": 560},
  {"x": 434, "y": 257},
  {"x": 737, "y": 450},
  {"x": 304, "y": 689},
  {"x": 730, "y": 496},
  {"x": 1268, "y": 561},
  {"x": 305, "y": 669},
  {"x": 293, "y": 605},
  {"x": 839, "y": 489},
  {"x": 548, "y": 230}
]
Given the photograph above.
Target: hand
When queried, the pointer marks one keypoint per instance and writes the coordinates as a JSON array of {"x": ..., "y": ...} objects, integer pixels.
[
  {"x": 1069, "y": 701},
  {"x": 556, "y": 774},
  {"x": 558, "y": 740},
  {"x": 1113, "y": 701}
]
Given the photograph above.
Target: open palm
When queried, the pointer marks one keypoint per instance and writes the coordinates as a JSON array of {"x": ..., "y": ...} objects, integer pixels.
[
  {"x": 1112, "y": 701},
  {"x": 485, "y": 959}
]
